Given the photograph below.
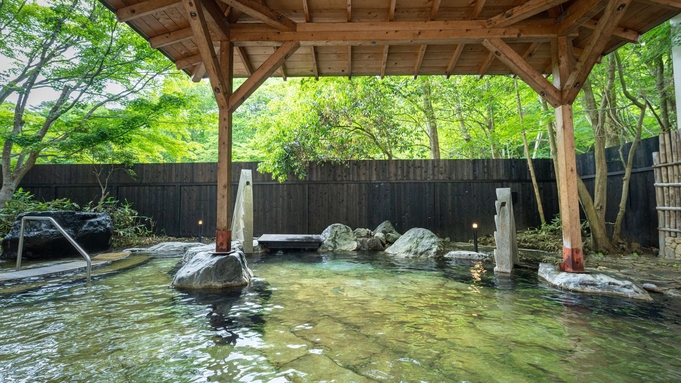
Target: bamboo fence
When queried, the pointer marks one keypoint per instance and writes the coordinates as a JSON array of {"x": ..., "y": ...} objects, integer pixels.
[{"x": 667, "y": 170}]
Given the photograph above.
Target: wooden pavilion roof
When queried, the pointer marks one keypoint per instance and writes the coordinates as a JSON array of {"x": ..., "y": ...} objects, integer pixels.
[{"x": 392, "y": 37}]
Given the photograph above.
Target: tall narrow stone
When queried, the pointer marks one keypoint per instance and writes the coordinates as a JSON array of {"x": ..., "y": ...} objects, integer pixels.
[
  {"x": 242, "y": 221},
  {"x": 506, "y": 252}
]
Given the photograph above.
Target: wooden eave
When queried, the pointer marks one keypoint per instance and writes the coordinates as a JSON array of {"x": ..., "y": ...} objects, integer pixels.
[{"x": 399, "y": 37}]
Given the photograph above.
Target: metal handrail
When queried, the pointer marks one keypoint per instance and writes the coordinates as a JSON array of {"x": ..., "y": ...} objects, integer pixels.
[{"x": 68, "y": 237}]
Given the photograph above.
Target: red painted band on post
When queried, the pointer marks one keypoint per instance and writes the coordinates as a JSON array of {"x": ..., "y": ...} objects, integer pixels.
[
  {"x": 223, "y": 241},
  {"x": 573, "y": 262}
]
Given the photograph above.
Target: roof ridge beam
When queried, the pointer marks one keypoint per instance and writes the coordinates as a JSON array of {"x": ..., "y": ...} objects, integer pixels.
[
  {"x": 142, "y": 9},
  {"x": 520, "y": 67},
  {"x": 522, "y": 12},
  {"x": 263, "y": 13}
]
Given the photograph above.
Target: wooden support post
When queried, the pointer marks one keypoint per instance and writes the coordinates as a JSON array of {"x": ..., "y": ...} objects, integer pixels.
[
  {"x": 573, "y": 260},
  {"x": 223, "y": 235}
]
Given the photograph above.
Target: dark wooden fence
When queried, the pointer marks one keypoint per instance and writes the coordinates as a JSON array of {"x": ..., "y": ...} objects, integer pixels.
[
  {"x": 445, "y": 196},
  {"x": 640, "y": 220}
]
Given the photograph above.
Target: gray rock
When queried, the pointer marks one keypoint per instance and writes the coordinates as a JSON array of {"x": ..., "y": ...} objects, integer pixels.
[
  {"x": 416, "y": 242},
  {"x": 652, "y": 288},
  {"x": 381, "y": 237},
  {"x": 173, "y": 249},
  {"x": 386, "y": 228},
  {"x": 338, "y": 237},
  {"x": 191, "y": 252},
  {"x": 468, "y": 256},
  {"x": 363, "y": 233},
  {"x": 92, "y": 232},
  {"x": 370, "y": 244},
  {"x": 208, "y": 271},
  {"x": 593, "y": 283}
]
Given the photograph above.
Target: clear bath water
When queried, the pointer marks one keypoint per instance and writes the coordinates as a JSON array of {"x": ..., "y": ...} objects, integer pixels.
[{"x": 336, "y": 317}]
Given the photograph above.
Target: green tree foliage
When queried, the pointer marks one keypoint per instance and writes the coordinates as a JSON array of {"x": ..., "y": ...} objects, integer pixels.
[{"x": 65, "y": 61}]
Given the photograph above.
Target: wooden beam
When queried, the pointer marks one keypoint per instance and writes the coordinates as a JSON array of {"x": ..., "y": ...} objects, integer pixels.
[
  {"x": 135, "y": 11},
  {"x": 434, "y": 9},
  {"x": 486, "y": 64},
  {"x": 454, "y": 59},
  {"x": 349, "y": 11},
  {"x": 188, "y": 62},
  {"x": 391, "y": 10},
  {"x": 522, "y": 12},
  {"x": 197, "y": 20},
  {"x": 171, "y": 38},
  {"x": 579, "y": 12},
  {"x": 419, "y": 60},
  {"x": 216, "y": 19},
  {"x": 521, "y": 68},
  {"x": 264, "y": 14},
  {"x": 477, "y": 8},
  {"x": 384, "y": 64},
  {"x": 315, "y": 67},
  {"x": 594, "y": 48},
  {"x": 394, "y": 33},
  {"x": 306, "y": 11},
  {"x": 198, "y": 72},
  {"x": 223, "y": 234},
  {"x": 530, "y": 51},
  {"x": 349, "y": 73},
  {"x": 262, "y": 73},
  {"x": 625, "y": 34},
  {"x": 566, "y": 173},
  {"x": 244, "y": 60},
  {"x": 282, "y": 70}
]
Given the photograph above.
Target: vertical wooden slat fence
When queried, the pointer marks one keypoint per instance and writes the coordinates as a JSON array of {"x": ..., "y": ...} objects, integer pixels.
[{"x": 667, "y": 169}]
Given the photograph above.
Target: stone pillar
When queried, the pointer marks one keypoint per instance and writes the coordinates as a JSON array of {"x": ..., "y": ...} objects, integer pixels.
[
  {"x": 506, "y": 252},
  {"x": 242, "y": 220}
]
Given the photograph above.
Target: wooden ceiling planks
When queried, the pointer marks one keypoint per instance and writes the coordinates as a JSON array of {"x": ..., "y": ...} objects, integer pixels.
[{"x": 390, "y": 37}]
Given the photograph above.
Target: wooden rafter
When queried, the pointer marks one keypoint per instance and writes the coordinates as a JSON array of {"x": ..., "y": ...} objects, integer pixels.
[
  {"x": 262, "y": 73},
  {"x": 520, "y": 67},
  {"x": 594, "y": 48},
  {"x": 315, "y": 67},
  {"x": 198, "y": 72},
  {"x": 486, "y": 64},
  {"x": 384, "y": 63},
  {"x": 349, "y": 11},
  {"x": 197, "y": 21},
  {"x": 419, "y": 60},
  {"x": 624, "y": 34},
  {"x": 522, "y": 12},
  {"x": 391, "y": 10},
  {"x": 530, "y": 50},
  {"x": 135, "y": 11},
  {"x": 243, "y": 56},
  {"x": 579, "y": 12},
  {"x": 349, "y": 73},
  {"x": 434, "y": 9},
  {"x": 171, "y": 38},
  {"x": 477, "y": 8},
  {"x": 674, "y": 5},
  {"x": 188, "y": 62},
  {"x": 306, "y": 11},
  {"x": 454, "y": 59},
  {"x": 264, "y": 14}
]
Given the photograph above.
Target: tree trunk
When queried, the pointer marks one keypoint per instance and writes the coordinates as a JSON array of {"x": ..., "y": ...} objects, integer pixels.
[
  {"x": 662, "y": 93},
  {"x": 597, "y": 120},
  {"x": 599, "y": 235},
  {"x": 552, "y": 144},
  {"x": 530, "y": 166},
  {"x": 431, "y": 120}
]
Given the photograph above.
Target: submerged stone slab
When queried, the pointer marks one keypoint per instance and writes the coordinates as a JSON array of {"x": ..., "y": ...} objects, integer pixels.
[
  {"x": 208, "y": 271},
  {"x": 338, "y": 237},
  {"x": 592, "y": 283},
  {"x": 416, "y": 242},
  {"x": 468, "y": 256},
  {"x": 167, "y": 249}
]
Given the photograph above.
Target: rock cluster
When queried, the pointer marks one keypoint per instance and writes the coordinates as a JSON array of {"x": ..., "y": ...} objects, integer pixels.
[{"x": 672, "y": 247}]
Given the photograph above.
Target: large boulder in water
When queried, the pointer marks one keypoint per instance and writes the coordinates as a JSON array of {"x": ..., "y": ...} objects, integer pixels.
[
  {"x": 92, "y": 232},
  {"x": 206, "y": 270},
  {"x": 338, "y": 237},
  {"x": 416, "y": 242}
]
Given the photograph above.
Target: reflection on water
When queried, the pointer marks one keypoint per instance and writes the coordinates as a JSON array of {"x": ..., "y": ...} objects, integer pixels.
[{"x": 342, "y": 317}]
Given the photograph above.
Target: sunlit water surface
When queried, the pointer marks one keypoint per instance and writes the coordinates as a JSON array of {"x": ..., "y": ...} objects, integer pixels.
[{"x": 336, "y": 317}]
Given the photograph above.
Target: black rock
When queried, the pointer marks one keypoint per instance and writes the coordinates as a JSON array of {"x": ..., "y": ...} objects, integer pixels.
[{"x": 92, "y": 232}]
